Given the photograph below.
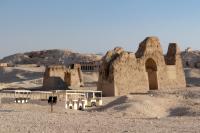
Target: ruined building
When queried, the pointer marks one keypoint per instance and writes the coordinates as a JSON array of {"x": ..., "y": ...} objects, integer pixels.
[
  {"x": 124, "y": 72},
  {"x": 61, "y": 77}
]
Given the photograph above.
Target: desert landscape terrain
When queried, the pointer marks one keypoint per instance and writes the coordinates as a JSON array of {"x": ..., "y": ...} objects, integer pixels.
[
  {"x": 99, "y": 66},
  {"x": 176, "y": 110},
  {"x": 169, "y": 111}
]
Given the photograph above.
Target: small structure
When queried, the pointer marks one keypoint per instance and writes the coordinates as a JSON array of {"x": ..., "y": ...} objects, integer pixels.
[
  {"x": 123, "y": 72},
  {"x": 61, "y": 77},
  {"x": 73, "y": 76}
]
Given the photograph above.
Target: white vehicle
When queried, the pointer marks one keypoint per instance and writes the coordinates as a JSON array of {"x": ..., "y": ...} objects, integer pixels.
[
  {"x": 80, "y": 99},
  {"x": 75, "y": 101},
  {"x": 94, "y": 98},
  {"x": 22, "y": 96}
]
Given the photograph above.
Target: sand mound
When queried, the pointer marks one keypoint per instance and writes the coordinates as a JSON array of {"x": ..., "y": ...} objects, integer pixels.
[
  {"x": 141, "y": 106},
  {"x": 159, "y": 105},
  {"x": 148, "y": 108}
]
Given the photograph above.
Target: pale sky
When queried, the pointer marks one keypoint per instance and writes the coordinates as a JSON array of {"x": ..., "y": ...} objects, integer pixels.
[{"x": 91, "y": 26}]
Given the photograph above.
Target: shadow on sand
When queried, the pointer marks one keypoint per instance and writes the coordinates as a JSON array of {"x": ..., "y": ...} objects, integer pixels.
[
  {"x": 115, "y": 103},
  {"x": 183, "y": 111},
  {"x": 17, "y": 75}
]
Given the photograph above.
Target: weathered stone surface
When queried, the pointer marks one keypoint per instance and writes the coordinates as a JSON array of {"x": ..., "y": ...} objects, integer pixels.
[
  {"x": 123, "y": 72},
  {"x": 60, "y": 77},
  {"x": 73, "y": 76}
]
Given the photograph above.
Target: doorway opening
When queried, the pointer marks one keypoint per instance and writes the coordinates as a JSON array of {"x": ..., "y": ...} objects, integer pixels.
[{"x": 151, "y": 69}]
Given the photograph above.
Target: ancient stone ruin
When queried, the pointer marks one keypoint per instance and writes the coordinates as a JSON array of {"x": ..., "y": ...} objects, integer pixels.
[
  {"x": 61, "y": 77},
  {"x": 124, "y": 72}
]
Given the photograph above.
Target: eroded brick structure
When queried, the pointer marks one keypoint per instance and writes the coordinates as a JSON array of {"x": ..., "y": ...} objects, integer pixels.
[
  {"x": 61, "y": 77},
  {"x": 124, "y": 72}
]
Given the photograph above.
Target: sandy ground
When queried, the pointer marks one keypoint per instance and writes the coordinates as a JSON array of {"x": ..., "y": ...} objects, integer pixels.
[
  {"x": 169, "y": 111},
  {"x": 157, "y": 111},
  {"x": 21, "y": 77},
  {"x": 32, "y": 78}
]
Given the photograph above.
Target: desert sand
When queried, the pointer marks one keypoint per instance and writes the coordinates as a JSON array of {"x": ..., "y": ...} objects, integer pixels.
[
  {"x": 157, "y": 111},
  {"x": 169, "y": 111}
]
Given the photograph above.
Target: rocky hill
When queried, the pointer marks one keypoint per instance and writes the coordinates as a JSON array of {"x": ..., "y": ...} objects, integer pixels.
[
  {"x": 48, "y": 57},
  {"x": 191, "y": 59}
]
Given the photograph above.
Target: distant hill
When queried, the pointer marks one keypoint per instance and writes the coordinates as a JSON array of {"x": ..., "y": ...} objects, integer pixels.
[
  {"x": 191, "y": 59},
  {"x": 49, "y": 57},
  {"x": 191, "y": 62}
]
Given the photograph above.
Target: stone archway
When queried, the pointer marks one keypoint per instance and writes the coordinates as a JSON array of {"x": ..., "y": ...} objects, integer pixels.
[{"x": 151, "y": 69}]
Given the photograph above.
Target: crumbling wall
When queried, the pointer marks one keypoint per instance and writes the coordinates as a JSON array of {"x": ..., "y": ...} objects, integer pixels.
[
  {"x": 173, "y": 59},
  {"x": 74, "y": 77},
  {"x": 106, "y": 76},
  {"x": 173, "y": 50},
  {"x": 124, "y": 72},
  {"x": 54, "y": 78},
  {"x": 127, "y": 73},
  {"x": 60, "y": 77}
]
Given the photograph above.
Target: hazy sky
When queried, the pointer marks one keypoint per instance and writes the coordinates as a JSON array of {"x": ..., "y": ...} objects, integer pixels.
[{"x": 96, "y": 25}]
